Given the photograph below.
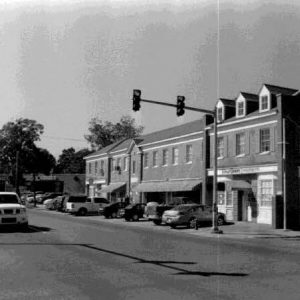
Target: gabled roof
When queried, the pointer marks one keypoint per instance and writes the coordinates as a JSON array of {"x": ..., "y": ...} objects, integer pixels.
[
  {"x": 228, "y": 102},
  {"x": 280, "y": 90},
  {"x": 250, "y": 97},
  {"x": 172, "y": 132},
  {"x": 104, "y": 150},
  {"x": 122, "y": 147}
]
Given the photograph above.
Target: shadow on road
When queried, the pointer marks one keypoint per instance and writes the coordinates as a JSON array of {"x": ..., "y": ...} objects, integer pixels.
[
  {"x": 30, "y": 229},
  {"x": 164, "y": 264}
]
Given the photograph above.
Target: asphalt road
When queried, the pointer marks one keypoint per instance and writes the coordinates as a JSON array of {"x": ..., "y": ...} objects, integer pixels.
[{"x": 67, "y": 257}]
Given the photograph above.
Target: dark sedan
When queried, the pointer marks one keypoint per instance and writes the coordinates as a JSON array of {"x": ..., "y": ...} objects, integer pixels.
[
  {"x": 134, "y": 211},
  {"x": 112, "y": 210}
]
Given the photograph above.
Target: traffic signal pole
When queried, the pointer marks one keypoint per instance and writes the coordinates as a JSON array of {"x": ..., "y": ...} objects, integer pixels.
[{"x": 213, "y": 113}]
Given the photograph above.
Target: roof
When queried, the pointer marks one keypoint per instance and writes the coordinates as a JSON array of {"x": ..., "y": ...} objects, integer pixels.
[
  {"x": 280, "y": 90},
  {"x": 228, "y": 102},
  {"x": 173, "y": 132},
  {"x": 124, "y": 145},
  {"x": 104, "y": 150},
  {"x": 251, "y": 97}
]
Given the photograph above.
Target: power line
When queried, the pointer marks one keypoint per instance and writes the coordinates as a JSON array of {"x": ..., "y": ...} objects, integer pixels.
[{"x": 63, "y": 138}]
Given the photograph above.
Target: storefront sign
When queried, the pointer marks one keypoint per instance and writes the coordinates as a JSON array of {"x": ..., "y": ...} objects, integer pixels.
[{"x": 244, "y": 170}]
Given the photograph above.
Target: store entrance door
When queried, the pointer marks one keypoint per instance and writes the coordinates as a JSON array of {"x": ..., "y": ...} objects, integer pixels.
[{"x": 240, "y": 205}]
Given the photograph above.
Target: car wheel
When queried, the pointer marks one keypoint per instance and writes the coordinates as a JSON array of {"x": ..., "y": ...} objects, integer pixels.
[
  {"x": 157, "y": 222},
  {"x": 82, "y": 212},
  {"x": 135, "y": 217},
  {"x": 24, "y": 227},
  {"x": 173, "y": 226},
  {"x": 220, "y": 221},
  {"x": 114, "y": 215},
  {"x": 127, "y": 219}
]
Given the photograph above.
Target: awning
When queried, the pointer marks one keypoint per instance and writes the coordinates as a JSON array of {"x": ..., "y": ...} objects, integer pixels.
[
  {"x": 113, "y": 187},
  {"x": 240, "y": 184},
  {"x": 168, "y": 186}
]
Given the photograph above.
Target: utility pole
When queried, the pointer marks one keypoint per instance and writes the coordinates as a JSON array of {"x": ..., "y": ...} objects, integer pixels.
[{"x": 180, "y": 106}]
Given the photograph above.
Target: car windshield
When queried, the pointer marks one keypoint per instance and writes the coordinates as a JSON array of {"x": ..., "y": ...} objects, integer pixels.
[{"x": 7, "y": 199}]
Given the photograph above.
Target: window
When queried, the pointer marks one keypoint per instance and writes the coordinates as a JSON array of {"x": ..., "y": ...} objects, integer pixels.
[
  {"x": 241, "y": 108},
  {"x": 219, "y": 114},
  {"x": 220, "y": 147},
  {"x": 113, "y": 165},
  {"x": 146, "y": 160},
  {"x": 188, "y": 157},
  {"x": 175, "y": 156},
  {"x": 240, "y": 143},
  {"x": 96, "y": 167},
  {"x": 165, "y": 157},
  {"x": 90, "y": 168},
  {"x": 264, "y": 140},
  {"x": 154, "y": 163},
  {"x": 118, "y": 162},
  {"x": 264, "y": 103},
  {"x": 265, "y": 192},
  {"x": 102, "y": 167},
  {"x": 133, "y": 166},
  {"x": 125, "y": 163}
]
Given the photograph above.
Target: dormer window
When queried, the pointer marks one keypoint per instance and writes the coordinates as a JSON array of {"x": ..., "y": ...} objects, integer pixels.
[
  {"x": 220, "y": 114},
  {"x": 240, "y": 109},
  {"x": 264, "y": 103}
]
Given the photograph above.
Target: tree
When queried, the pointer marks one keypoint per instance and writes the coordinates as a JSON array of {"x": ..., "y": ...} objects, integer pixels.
[
  {"x": 18, "y": 152},
  {"x": 104, "y": 134},
  {"x": 70, "y": 161}
]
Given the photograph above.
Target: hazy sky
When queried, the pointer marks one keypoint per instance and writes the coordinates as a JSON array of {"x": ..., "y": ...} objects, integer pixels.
[{"x": 64, "y": 62}]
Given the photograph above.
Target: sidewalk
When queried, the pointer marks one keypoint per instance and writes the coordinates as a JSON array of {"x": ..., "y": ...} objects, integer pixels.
[{"x": 239, "y": 230}]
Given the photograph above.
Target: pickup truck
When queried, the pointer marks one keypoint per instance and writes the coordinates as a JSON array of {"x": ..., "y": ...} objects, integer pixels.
[{"x": 82, "y": 205}]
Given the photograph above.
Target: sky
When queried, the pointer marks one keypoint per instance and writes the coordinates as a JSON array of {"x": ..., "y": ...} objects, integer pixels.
[{"x": 64, "y": 62}]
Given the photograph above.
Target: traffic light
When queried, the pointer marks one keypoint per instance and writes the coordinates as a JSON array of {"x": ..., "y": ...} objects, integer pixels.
[
  {"x": 136, "y": 100},
  {"x": 180, "y": 105}
]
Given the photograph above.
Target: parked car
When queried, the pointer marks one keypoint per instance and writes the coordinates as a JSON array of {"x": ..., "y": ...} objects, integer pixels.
[
  {"x": 12, "y": 212},
  {"x": 204, "y": 215},
  {"x": 51, "y": 204},
  {"x": 182, "y": 214},
  {"x": 155, "y": 212},
  {"x": 50, "y": 196},
  {"x": 113, "y": 210},
  {"x": 134, "y": 211}
]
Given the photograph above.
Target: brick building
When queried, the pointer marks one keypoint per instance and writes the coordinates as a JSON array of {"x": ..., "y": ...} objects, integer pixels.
[{"x": 258, "y": 160}]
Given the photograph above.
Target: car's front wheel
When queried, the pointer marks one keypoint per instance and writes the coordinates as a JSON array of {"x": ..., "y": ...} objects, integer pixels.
[
  {"x": 220, "y": 221},
  {"x": 24, "y": 227},
  {"x": 114, "y": 215},
  {"x": 82, "y": 212},
  {"x": 135, "y": 217},
  {"x": 157, "y": 222}
]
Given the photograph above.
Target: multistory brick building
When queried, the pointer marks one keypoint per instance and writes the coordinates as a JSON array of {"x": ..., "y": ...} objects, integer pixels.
[{"x": 258, "y": 160}]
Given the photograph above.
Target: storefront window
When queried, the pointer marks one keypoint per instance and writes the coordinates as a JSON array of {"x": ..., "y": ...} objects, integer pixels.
[
  {"x": 229, "y": 201},
  {"x": 265, "y": 191}
]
